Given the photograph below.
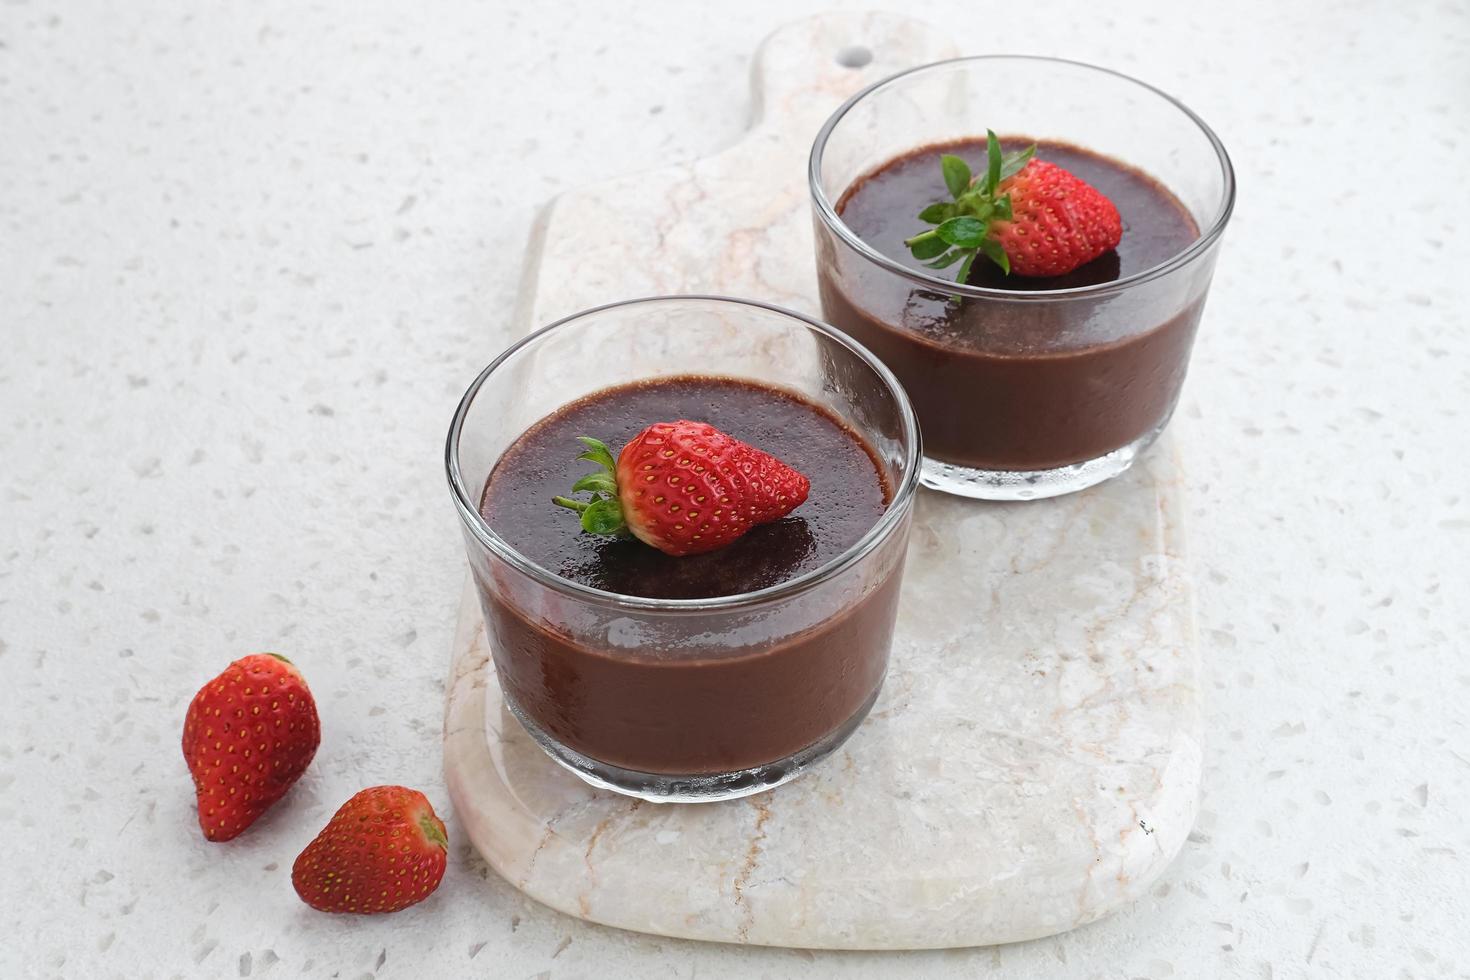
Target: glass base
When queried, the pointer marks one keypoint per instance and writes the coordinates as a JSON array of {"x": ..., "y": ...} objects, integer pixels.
[
  {"x": 704, "y": 788},
  {"x": 965, "y": 481}
]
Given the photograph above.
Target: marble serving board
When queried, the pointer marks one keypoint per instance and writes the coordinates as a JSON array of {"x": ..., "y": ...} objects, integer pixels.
[{"x": 1033, "y": 761}]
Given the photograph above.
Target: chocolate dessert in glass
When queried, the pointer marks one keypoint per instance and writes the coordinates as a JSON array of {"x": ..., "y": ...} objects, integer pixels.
[
  {"x": 686, "y": 519},
  {"x": 1036, "y": 292}
]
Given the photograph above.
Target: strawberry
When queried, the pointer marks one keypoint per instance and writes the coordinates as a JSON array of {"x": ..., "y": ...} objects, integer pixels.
[
  {"x": 685, "y": 488},
  {"x": 1058, "y": 221},
  {"x": 384, "y": 850},
  {"x": 249, "y": 734},
  {"x": 1028, "y": 216}
]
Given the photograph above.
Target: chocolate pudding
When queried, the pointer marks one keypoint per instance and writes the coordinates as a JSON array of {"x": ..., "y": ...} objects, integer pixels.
[
  {"x": 1004, "y": 383},
  {"x": 683, "y": 691}
]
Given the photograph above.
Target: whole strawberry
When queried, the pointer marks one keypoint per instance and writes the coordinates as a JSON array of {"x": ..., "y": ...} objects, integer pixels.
[
  {"x": 1030, "y": 217},
  {"x": 685, "y": 488},
  {"x": 384, "y": 850},
  {"x": 249, "y": 734}
]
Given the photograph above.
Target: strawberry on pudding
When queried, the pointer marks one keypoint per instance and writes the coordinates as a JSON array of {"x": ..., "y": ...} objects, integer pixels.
[
  {"x": 701, "y": 488},
  {"x": 684, "y": 488},
  {"x": 1038, "y": 296},
  {"x": 1029, "y": 216},
  {"x": 689, "y": 582},
  {"x": 1004, "y": 385}
]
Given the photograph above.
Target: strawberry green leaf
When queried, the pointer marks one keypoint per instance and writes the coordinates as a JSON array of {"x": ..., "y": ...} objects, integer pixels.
[
  {"x": 597, "y": 483},
  {"x": 1001, "y": 210},
  {"x": 603, "y": 513},
  {"x": 937, "y": 212},
  {"x": 956, "y": 174},
  {"x": 1014, "y": 163},
  {"x": 603, "y": 516},
  {"x": 962, "y": 232},
  {"x": 992, "y": 152},
  {"x": 597, "y": 452},
  {"x": 947, "y": 259},
  {"x": 928, "y": 248},
  {"x": 996, "y": 254}
]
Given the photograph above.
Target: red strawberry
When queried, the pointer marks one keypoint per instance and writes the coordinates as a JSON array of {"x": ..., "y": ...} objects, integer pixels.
[
  {"x": 248, "y": 736},
  {"x": 384, "y": 850},
  {"x": 685, "y": 488},
  {"x": 1027, "y": 216},
  {"x": 1058, "y": 221}
]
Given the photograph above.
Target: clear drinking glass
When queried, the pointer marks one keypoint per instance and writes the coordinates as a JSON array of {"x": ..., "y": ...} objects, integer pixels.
[
  {"x": 1023, "y": 394},
  {"x": 677, "y": 699}
]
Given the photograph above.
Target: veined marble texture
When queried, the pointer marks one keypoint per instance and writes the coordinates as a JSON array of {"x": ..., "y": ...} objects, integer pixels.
[{"x": 1033, "y": 761}]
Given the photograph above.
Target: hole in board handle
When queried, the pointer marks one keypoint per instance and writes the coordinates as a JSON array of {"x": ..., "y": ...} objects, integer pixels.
[{"x": 854, "y": 56}]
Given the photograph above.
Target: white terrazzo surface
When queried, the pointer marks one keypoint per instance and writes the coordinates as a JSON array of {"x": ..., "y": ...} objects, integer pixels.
[{"x": 250, "y": 255}]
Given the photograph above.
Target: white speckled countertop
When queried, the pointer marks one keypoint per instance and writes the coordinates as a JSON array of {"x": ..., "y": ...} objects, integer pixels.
[{"x": 251, "y": 254}]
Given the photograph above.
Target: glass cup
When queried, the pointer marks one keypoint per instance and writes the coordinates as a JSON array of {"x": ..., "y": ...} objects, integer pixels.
[
  {"x": 1023, "y": 394},
  {"x": 687, "y": 699}
]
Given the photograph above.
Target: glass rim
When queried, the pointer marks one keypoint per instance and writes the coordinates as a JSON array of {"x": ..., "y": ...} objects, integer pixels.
[
  {"x": 1198, "y": 247},
  {"x": 898, "y": 506}
]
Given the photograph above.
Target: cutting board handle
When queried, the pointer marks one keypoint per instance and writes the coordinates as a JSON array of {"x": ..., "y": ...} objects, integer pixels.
[{"x": 805, "y": 70}]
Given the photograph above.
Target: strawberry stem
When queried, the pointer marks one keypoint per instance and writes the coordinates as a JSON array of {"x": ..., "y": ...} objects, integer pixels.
[
  {"x": 963, "y": 225},
  {"x": 603, "y": 512},
  {"x": 433, "y": 830}
]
